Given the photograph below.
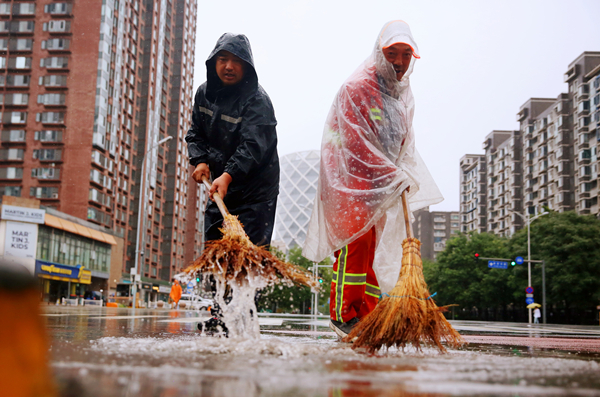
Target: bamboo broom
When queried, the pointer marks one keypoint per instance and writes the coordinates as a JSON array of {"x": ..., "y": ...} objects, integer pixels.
[
  {"x": 235, "y": 257},
  {"x": 408, "y": 314}
]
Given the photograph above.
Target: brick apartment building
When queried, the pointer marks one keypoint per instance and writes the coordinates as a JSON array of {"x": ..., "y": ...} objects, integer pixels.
[
  {"x": 558, "y": 150},
  {"x": 86, "y": 88}
]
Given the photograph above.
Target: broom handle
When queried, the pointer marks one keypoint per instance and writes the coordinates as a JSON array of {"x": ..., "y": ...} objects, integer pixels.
[
  {"x": 216, "y": 197},
  {"x": 409, "y": 233}
]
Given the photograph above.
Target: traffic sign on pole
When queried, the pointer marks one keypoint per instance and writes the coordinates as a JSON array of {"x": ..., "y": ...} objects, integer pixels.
[
  {"x": 519, "y": 260},
  {"x": 529, "y": 290},
  {"x": 497, "y": 265},
  {"x": 529, "y": 301}
]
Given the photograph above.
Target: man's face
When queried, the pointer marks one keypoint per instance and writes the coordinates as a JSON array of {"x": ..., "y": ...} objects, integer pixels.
[
  {"x": 399, "y": 55},
  {"x": 230, "y": 68}
]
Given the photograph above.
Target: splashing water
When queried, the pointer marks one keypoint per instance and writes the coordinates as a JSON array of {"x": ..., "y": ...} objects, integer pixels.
[{"x": 239, "y": 314}]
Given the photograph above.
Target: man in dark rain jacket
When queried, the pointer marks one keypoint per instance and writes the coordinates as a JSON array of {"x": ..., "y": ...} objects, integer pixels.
[{"x": 233, "y": 140}]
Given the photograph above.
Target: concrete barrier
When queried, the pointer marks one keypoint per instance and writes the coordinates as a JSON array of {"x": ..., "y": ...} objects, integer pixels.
[{"x": 71, "y": 302}]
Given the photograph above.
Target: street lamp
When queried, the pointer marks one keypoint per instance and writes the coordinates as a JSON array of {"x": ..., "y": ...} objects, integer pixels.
[
  {"x": 142, "y": 213},
  {"x": 528, "y": 220}
]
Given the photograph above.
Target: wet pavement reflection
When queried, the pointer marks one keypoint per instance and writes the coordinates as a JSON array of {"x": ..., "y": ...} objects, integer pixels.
[{"x": 100, "y": 352}]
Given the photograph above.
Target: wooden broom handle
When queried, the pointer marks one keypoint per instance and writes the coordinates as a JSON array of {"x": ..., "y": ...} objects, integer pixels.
[
  {"x": 217, "y": 198},
  {"x": 406, "y": 215}
]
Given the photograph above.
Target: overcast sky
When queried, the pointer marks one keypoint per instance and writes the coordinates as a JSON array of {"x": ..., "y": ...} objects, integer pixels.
[{"x": 480, "y": 61}]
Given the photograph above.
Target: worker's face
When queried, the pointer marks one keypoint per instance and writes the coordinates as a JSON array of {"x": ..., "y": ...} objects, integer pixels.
[
  {"x": 230, "y": 68},
  {"x": 399, "y": 55}
]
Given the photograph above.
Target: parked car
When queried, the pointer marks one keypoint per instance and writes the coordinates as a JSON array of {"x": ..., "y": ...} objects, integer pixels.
[
  {"x": 93, "y": 295},
  {"x": 195, "y": 302}
]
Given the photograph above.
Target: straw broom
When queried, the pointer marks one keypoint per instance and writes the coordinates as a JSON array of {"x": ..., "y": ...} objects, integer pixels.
[
  {"x": 408, "y": 314},
  {"x": 235, "y": 258}
]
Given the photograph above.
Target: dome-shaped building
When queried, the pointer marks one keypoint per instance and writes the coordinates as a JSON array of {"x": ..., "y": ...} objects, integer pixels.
[{"x": 297, "y": 189}]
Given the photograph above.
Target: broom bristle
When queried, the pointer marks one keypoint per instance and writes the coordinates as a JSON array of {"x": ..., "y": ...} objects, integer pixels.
[
  {"x": 407, "y": 315},
  {"x": 234, "y": 257}
]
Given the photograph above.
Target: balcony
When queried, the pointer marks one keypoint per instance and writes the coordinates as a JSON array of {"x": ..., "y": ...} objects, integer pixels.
[
  {"x": 11, "y": 173},
  {"x": 12, "y": 155}
]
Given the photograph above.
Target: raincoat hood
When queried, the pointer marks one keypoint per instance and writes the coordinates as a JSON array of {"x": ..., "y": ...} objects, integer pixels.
[
  {"x": 393, "y": 32},
  {"x": 238, "y": 45},
  {"x": 368, "y": 158}
]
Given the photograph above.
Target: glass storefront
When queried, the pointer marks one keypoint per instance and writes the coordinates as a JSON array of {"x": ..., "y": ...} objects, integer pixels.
[{"x": 59, "y": 246}]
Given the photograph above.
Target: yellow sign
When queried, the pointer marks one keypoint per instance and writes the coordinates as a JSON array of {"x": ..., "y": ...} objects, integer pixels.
[
  {"x": 85, "y": 277},
  {"x": 54, "y": 269}
]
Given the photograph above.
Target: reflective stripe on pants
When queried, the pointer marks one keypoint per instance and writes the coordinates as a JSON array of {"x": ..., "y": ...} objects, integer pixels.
[{"x": 354, "y": 289}]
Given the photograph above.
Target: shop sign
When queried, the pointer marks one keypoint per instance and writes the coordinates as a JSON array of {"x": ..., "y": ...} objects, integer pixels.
[
  {"x": 85, "y": 277},
  {"x": 21, "y": 239},
  {"x": 164, "y": 289},
  {"x": 146, "y": 286},
  {"x": 43, "y": 268},
  {"x": 23, "y": 214}
]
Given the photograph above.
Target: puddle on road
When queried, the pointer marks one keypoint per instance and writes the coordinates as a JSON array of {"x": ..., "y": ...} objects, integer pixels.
[
  {"x": 275, "y": 365},
  {"x": 145, "y": 356}
]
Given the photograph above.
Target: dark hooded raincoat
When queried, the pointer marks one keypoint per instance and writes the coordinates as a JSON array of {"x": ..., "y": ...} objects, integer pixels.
[{"x": 233, "y": 131}]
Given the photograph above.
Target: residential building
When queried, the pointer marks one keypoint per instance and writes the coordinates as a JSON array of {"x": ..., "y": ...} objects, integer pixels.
[
  {"x": 76, "y": 142},
  {"x": 547, "y": 128},
  {"x": 473, "y": 193},
  {"x": 297, "y": 190},
  {"x": 503, "y": 153},
  {"x": 433, "y": 229},
  {"x": 583, "y": 78}
]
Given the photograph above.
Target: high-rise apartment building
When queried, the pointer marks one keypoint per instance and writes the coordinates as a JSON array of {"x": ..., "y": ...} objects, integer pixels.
[
  {"x": 433, "y": 229},
  {"x": 473, "y": 193},
  {"x": 503, "y": 152},
  {"x": 558, "y": 141},
  {"x": 87, "y": 88},
  {"x": 583, "y": 78},
  {"x": 547, "y": 128}
]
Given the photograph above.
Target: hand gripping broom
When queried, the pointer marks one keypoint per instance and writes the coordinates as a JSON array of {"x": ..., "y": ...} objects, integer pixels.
[
  {"x": 234, "y": 257},
  {"x": 408, "y": 314}
]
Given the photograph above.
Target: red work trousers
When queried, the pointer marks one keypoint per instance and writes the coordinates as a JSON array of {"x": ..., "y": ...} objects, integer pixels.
[{"x": 354, "y": 289}]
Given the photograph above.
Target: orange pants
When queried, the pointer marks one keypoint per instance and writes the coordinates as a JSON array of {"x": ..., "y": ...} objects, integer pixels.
[{"x": 354, "y": 288}]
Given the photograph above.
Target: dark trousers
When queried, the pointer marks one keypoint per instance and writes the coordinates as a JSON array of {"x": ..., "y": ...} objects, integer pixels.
[{"x": 258, "y": 220}]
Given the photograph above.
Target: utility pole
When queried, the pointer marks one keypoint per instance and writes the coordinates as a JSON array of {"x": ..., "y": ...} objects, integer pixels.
[
  {"x": 528, "y": 220},
  {"x": 135, "y": 271}
]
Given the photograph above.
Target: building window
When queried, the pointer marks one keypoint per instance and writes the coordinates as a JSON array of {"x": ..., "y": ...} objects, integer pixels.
[
  {"x": 48, "y": 136},
  {"x": 44, "y": 192},
  {"x": 11, "y": 173},
  {"x": 47, "y": 154},
  {"x": 60, "y": 246},
  {"x": 51, "y": 117},
  {"x": 14, "y": 191},
  {"x": 12, "y": 154},
  {"x": 13, "y": 135},
  {"x": 45, "y": 173},
  {"x": 18, "y": 80}
]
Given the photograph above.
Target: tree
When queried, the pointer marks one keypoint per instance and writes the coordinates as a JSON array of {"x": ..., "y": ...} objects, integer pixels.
[
  {"x": 290, "y": 299},
  {"x": 570, "y": 246},
  {"x": 458, "y": 278}
]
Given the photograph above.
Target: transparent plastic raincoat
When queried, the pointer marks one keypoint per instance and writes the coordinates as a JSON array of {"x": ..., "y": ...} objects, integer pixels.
[{"x": 368, "y": 158}]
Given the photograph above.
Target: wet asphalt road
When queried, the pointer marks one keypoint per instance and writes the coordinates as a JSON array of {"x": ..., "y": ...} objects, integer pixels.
[{"x": 97, "y": 352}]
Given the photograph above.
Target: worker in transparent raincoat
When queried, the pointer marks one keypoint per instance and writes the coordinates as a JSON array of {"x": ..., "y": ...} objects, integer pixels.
[{"x": 368, "y": 158}]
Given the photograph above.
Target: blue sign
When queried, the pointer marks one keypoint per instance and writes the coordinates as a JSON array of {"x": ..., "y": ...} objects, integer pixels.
[
  {"x": 497, "y": 265},
  {"x": 57, "y": 271},
  {"x": 519, "y": 260},
  {"x": 529, "y": 290},
  {"x": 529, "y": 301}
]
